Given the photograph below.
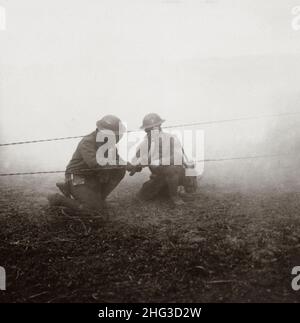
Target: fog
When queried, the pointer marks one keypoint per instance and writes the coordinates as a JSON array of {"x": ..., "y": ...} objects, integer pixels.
[{"x": 64, "y": 64}]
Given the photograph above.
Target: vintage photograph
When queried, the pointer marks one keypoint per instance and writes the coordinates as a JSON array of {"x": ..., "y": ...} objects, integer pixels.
[{"x": 149, "y": 152}]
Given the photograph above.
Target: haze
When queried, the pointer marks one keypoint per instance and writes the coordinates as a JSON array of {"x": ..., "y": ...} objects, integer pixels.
[{"x": 64, "y": 64}]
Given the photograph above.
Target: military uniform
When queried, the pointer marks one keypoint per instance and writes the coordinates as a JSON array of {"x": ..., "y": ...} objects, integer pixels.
[
  {"x": 165, "y": 156},
  {"x": 166, "y": 166},
  {"x": 164, "y": 181},
  {"x": 87, "y": 184}
]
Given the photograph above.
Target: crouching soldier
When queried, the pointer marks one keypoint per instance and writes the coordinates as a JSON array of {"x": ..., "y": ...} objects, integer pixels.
[
  {"x": 163, "y": 153},
  {"x": 88, "y": 183}
]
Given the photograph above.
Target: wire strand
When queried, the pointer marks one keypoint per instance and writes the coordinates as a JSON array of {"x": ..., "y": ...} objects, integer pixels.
[
  {"x": 166, "y": 127},
  {"x": 197, "y": 161}
]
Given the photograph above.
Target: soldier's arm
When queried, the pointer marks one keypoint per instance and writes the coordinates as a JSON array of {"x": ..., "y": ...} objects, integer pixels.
[
  {"x": 87, "y": 150},
  {"x": 136, "y": 162},
  {"x": 141, "y": 155}
]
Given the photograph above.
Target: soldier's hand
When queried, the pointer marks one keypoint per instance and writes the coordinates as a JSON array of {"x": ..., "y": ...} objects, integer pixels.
[
  {"x": 132, "y": 169},
  {"x": 129, "y": 167}
]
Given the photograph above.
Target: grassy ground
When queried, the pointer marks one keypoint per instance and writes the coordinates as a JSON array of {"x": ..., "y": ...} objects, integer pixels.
[{"x": 220, "y": 247}]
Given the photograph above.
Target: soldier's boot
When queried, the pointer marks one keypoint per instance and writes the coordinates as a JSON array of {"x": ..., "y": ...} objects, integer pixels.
[
  {"x": 60, "y": 200},
  {"x": 64, "y": 188},
  {"x": 75, "y": 206},
  {"x": 152, "y": 188}
]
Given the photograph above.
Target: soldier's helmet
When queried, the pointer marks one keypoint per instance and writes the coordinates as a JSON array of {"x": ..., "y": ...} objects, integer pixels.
[
  {"x": 151, "y": 120},
  {"x": 112, "y": 123}
]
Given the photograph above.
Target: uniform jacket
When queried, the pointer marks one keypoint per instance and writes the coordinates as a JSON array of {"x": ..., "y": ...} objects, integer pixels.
[
  {"x": 84, "y": 158},
  {"x": 160, "y": 148}
]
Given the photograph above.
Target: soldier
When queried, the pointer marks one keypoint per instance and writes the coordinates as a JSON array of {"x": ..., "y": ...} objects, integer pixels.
[
  {"x": 87, "y": 184},
  {"x": 163, "y": 153}
]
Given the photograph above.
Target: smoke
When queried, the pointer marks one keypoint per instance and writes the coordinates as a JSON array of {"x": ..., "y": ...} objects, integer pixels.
[
  {"x": 63, "y": 65},
  {"x": 274, "y": 155}
]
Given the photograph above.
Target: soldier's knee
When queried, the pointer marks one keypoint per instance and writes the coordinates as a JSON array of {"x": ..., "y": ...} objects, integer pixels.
[{"x": 145, "y": 195}]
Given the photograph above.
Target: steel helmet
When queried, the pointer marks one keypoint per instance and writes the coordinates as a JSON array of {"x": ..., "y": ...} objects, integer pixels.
[
  {"x": 111, "y": 122},
  {"x": 152, "y": 120}
]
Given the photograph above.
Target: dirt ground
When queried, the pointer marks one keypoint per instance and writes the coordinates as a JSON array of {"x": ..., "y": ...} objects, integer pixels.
[{"x": 222, "y": 246}]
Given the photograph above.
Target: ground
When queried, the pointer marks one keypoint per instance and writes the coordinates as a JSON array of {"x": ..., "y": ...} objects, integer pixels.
[{"x": 222, "y": 246}]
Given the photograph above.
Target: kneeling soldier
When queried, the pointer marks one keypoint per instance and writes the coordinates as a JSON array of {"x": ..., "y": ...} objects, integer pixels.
[
  {"x": 87, "y": 183},
  {"x": 164, "y": 154}
]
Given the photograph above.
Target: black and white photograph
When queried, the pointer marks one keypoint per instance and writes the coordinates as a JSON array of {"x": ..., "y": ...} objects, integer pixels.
[{"x": 149, "y": 153}]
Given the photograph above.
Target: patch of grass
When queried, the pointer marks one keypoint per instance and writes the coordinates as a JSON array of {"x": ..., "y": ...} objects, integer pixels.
[{"x": 217, "y": 248}]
